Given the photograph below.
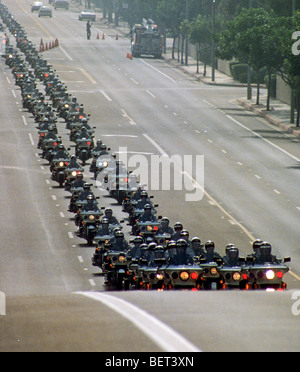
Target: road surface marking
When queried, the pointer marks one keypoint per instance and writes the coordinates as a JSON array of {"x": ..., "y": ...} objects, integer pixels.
[
  {"x": 134, "y": 81},
  {"x": 61, "y": 214},
  {"x": 162, "y": 152},
  {"x": 277, "y": 192},
  {"x": 161, "y": 334},
  {"x": 80, "y": 259},
  {"x": 157, "y": 70},
  {"x": 125, "y": 115},
  {"x": 71, "y": 236},
  {"x": 24, "y": 120},
  {"x": 105, "y": 95},
  {"x": 264, "y": 139},
  {"x": 151, "y": 94},
  {"x": 31, "y": 139}
]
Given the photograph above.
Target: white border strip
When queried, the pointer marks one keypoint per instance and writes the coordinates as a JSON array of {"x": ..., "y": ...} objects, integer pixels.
[{"x": 161, "y": 334}]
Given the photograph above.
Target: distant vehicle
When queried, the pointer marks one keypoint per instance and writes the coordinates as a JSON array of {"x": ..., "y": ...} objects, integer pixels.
[
  {"x": 36, "y": 6},
  {"x": 45, "y": 11},
  {"x": 87, "y": 15},
  {"x": 146, "y": 39},
  {"x": 61, "y": 4}
]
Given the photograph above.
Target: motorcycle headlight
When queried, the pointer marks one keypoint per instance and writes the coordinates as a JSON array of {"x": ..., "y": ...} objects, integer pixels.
[
  {"x": 213, "y": 271},
  {"x": 61, "y": 164},
  {"x": 149, "y": 228},
  {"x": 159, "y": 276},
  {"x": 92, "y": 218},
  {"x": 184, "y": 276},
  {"x": 236, "y": 276},
  {"x": 74, "y": 173},
  {"x": 121, "y": 259},
  {"x": 105, "y": 164},
  {"x": 270, "y": 274}
]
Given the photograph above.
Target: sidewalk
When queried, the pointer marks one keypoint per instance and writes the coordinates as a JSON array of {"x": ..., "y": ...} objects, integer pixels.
[{"x": 279, "y": 114}]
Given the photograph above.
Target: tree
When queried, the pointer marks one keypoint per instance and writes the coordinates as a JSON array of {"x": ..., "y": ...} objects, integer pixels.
[
  {"x": 200, "y": 35},
  {"x": 290, "y": 70},
  {"x": 252, "y": 38}
]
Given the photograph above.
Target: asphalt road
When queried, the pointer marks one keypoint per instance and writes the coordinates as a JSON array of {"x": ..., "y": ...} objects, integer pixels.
[{"x": 251, "y": 177}]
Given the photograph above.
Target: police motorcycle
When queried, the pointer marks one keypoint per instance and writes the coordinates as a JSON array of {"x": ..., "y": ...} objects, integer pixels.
[
  {"x": 101, "y": 158},
  {"x": 115, "y": 264},
  {"x": 233, "y": 271},
  {"x": 145, "y": 222},
  {"x": 59, "y": 164},
  {"x": 77, "y": 187},
  {"x": 72, "y": 171},
  {"x": 265, "y": 271},
  {"x": 182, "y": 270},
  {"x": 89, "y": 220},
  {"x": 149, "y": 271},
  {"x": 210, "y": 262},
  {"x": 84, "y": 145},
  {"x": 104, "y": 235},
  {"x": 49, "y": 146},
  {"x": 81, "y": 201}
]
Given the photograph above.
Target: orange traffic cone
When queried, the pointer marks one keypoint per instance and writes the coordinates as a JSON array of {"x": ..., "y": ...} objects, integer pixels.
[
  {"x": 56, "y": 43},
  {"x": 98, "y": 36},
  {"x": 103, "y": 36},
  {"x": 129, "y": 55}
]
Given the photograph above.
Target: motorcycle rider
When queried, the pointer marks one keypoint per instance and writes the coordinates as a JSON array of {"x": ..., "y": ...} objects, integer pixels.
[
  {"x": 197, "y": 246},
  {"x": 120, "y": 244},
  {"x": 135, "y": 250},
  {"x": 181, "y": 257},
  {"x": 104, "y": 229},
  {"x": 164, "y": 227},
  {"x": 210, "y": 255},
  {"x": 91, "y": 205},
  {"x": 110, "y": 217},
  {"x": 265, "y": 255},
  {"x": 178, "y": 227},
  {"x": 147, "y": 216}
]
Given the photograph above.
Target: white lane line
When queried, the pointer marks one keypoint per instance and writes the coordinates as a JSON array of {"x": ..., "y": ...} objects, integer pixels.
[
  {"x": 161, "y": 334},
  {"x": 66, "y": 54},
  {"x": 157, "y": 70},
  {"x": 14, "y": 94},
  {"x": 162, "y": 152},
  {"x": 62, "y": 215},
  {"x": 71, "y": 236},
  {"x": 24, "y": 121},
  {"x": 151, "y": 94},
  {"x": 31, "y": 139},
  {"x": 277, "y": 192},
  {"x": 258, "y": 177},
  {"x": 80, "y": 259},
  {"x": 119, "y": 135},
  {"x": 298, "y": 208},
  {"x": 264, "y": 139},
  {"x": 105, "y": 95},
  {"x": 54, "y": 197},
  {"x": 134, "y": 81},
  {"x": 125, "y": 115}
]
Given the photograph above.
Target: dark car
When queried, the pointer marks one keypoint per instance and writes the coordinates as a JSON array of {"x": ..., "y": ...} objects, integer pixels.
[{"x": 61, "y": 4}]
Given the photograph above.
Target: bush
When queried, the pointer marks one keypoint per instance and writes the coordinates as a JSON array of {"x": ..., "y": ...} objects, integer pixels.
[{"x": 238, "y": 71}]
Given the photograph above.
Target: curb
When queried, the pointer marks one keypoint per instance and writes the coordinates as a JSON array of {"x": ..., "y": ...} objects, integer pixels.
[{"x": 287, "y": 127}]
